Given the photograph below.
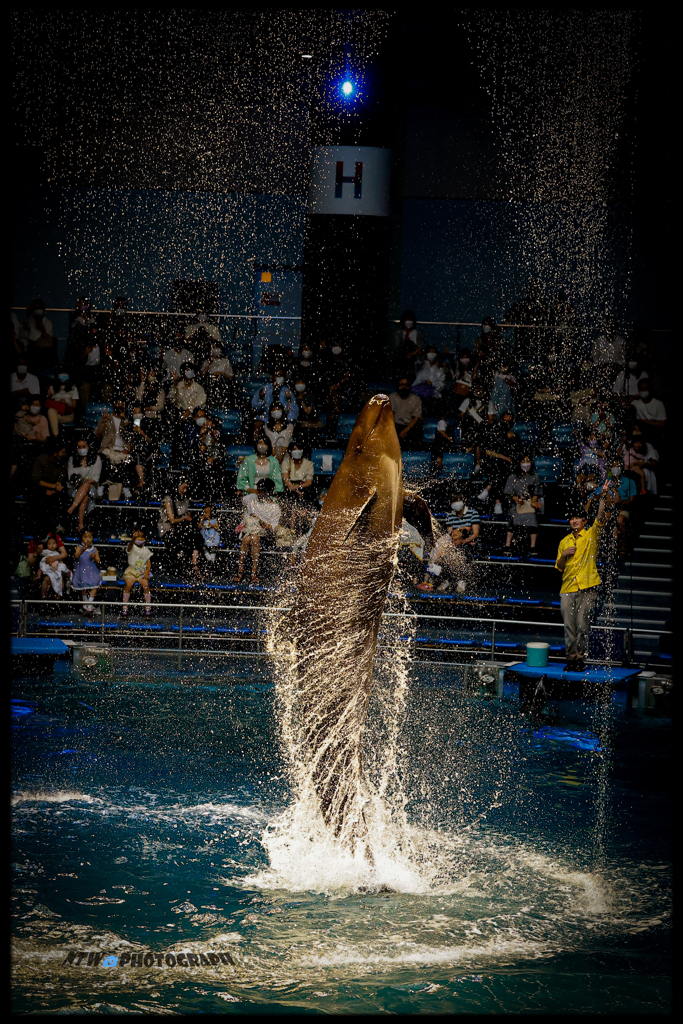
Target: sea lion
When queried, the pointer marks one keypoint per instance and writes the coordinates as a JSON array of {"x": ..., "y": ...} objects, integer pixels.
[{"x": 330, "y": 634}]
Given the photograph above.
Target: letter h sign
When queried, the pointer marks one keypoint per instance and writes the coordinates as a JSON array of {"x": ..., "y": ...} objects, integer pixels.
[{"x": 356, "y": 180}]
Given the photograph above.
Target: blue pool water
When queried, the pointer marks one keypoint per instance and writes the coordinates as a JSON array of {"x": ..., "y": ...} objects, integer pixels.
[{"x": 522, "y": 866}]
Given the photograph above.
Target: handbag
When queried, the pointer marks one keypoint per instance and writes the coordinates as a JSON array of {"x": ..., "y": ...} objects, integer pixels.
[
  {"x": 462, "y": 388},
  {"x": 59, "y": 407}
]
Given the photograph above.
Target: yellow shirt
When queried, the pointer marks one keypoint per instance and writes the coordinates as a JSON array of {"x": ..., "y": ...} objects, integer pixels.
[{"x": 580, "y": 570}]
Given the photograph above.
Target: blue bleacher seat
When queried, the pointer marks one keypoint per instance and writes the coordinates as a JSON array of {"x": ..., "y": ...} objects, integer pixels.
[
  {"x": 229, "y": 419},
  {"x": 235, "y": 451},
  {"x": 548, "y": 468},
  {"x": 380, "y": 387},
  {"x": 94, "y": 412},
  {"x": 164, "y": 460},
  {"x": 345, "y": 425},
  {"x": 562, "y": 435},
  {"x": 416, "y": 465},
  {"x": 326, "y": 461},
  {"x": 527, "y": 432},
  {"x": 458, "y": 465}
]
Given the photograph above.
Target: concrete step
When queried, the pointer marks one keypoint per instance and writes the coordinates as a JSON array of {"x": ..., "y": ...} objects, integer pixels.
[
  {"x": 657, "y": 522},
  {"x": 658, "y": 609},
  {"x": 654, "y": 536},
  {"x": 628, "y": 581},
  {"x": 626, "y": 620},
  {"x": 642, "y": 593}
]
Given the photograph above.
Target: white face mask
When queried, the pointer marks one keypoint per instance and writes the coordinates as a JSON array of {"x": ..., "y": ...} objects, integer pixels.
[
  {"x": 189, "y": 374},
  {"x": 21, "y": 370},
  {"x": 590, "y": 486},
  {"x": 465, "y": 360},
  {"x": 279, "y": 380},
  {"x": 306, "y": 353},
  {"x": 34, "y": 410},
  {"x": 261, "y": 449},
  {"x": 137, "y": 420},
  {"x": 632, "y": 364},
  {"x": 139, "y": 543},
  {"x": 201, "y": 317},
  {"x": 200, "y": 421},
  {"x": 409, "y": 324},
  {"x": 457, "y": 505},
  {"x": 616, "y": 471},
  {"x": 431, "y": 356},
  {"x": 296, "y": 454},
  {"x": 215, "y": 351},
  {"x": 645, "y": 394},
  {"x": 276, "y": 414},
  {"x": 299, "y": 387},
  {"x": 82, "y": 452},
  {"x": 486, "y": 329},
  {"x": 336, "y": 350},
  {"x": 526, "y": 466}
]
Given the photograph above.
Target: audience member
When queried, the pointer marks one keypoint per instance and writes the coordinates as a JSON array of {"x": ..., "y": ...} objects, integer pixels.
[
  {"x": 444, "y": 441},
  {"x": 463, "y": 375},
  {"x": 490, "y": 350},
  {"x": 210, "y": 535},
  {"x": 627, "y": 380},
  {"x": 113, "y": 432},
  {"x": 526, "y": 492},
  {"x": 186, "y": 394},
  {"x": 62, "y": 398},
  {"x": 262, "y": 515},
  {"x": 175, "y": 526},
  {"x": 83, "y": 475},
  {"x": 201, "y": 335},
  {"x": 500, "y": 399},
  {"x": 408, "y": 341},
  {"x": 278, "y": 431},
  {"x": 144, "y": 447},
  {"x": 175, "y": 356},
  {"x": 463, "y": 518},
  {"x": 49, "y": 475},
  {"x": 297, "y": 473},
  {"x": 150, "y": 395},
  {"x": 649, "y": 412},
  {"x": 53, "y": 570},
  {"x": 217, "y": 376},
  {"x": 430, "y": 380},
  {"x": 407, "y": 409},
  {"x": 22, "y": 382},
  {"x": 641, "y": 459},
  {"x": 621, "y": 494},
  {"x": 86, "y": 576},
  {"x": 262, "y": 465},
  {"x": 137, "y": 570}
]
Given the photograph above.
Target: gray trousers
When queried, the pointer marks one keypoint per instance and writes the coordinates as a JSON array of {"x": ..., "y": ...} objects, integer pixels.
[{"x": 577, "y": 610}]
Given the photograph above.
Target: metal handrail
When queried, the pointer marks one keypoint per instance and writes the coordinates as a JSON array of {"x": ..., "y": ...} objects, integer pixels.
[{"x": 283, "y": 608}]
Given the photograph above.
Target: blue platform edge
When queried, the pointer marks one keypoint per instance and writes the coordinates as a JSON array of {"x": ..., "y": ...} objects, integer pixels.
[
  {"x": 36, "y": 645},
  {"x": 594, "y": 673}
]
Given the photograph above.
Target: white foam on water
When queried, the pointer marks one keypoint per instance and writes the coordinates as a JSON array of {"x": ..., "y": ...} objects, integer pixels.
[{"x": 57, "y": 797}]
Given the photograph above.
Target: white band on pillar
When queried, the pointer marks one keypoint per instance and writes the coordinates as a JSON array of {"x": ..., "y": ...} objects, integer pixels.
[{"x": 350, "y": 180}]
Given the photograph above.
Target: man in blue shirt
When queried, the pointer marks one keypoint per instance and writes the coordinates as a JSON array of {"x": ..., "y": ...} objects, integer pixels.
[{"x": 623, "y": 491}]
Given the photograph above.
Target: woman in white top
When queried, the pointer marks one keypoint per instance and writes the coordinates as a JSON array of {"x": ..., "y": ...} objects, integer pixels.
[
  {"x": 297, "y": 476},
  {"x": 431, "y": 373},
  {"x": 278, "y": 431},
  {"x": 83, "y": 472},
  {"x": 62, "y": 397},
  {"x": 626, "y": 382}
]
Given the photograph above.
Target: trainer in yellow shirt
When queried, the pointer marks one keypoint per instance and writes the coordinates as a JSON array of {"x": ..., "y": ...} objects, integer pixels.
[{"x": 577, "y": 557}]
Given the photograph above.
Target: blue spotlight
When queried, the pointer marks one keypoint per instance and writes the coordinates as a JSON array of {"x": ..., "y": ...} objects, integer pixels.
[{"x": 347, "y": 88}]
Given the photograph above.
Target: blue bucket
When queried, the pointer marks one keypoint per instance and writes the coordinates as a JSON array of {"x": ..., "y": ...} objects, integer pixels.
[{"x": 537, "y": 655}]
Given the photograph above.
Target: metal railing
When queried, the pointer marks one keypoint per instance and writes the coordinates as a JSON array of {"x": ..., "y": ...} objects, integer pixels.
[{"x": 184, "y": 628}]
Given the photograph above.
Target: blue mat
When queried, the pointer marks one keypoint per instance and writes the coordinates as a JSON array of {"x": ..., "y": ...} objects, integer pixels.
[
  {"x": 38, "y": 645},
  {"x": 594, "y": 673}
]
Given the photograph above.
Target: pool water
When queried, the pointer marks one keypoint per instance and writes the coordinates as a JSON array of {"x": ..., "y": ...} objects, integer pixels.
[{"x": 520, "y": 865}]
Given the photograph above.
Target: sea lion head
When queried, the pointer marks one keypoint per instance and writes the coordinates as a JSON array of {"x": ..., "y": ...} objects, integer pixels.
[{"x": 374, "y": 433}]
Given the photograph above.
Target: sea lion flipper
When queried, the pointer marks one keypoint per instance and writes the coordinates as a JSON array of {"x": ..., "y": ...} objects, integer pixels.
[{"x": 416, "y": 511}]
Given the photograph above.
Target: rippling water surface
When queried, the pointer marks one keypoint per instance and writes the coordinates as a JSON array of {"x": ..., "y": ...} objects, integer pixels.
[{"x": 519, "y": 866}]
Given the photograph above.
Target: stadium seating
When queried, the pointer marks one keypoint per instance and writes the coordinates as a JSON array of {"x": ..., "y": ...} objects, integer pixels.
[
  {"x": 528, "y": 433},
  {"x": 562, "y": 435},
  {"x": 326, "y": 461},
  {"x": 548, "y": 468},
  {"x": 229, "y": 419},
  {"x": 416, "y": 466},
  {"x": 345, "y": 425},
  {"x": 457, "y": 465},
  {"x": 234, "y": 452}
]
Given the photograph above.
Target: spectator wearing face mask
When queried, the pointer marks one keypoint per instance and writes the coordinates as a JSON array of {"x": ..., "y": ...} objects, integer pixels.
[
  {"x": 263, "y": 398},
  {"x": 262, "y": 465},
  {"x": 463, "y": 375},
  {"x": 187, "y": 395},
  {"x": 602, "y": 422},
  {"x": 334, "y": 386},
  {"x": 217, "y": 376},
  {"x": 620, "y": 492},
  {"x": 37, "y": 336},
  {"x": 31, "y": 432},
  {"x": 307, "y": 365},
  {"x": 22, "y": 382},
  {"x": 209, "y": 461},
  {"x": 83, "y": 472},
  {"x": 500, "y": 399},
  {"x": 261, "y": 519},
  {"x": 461, "y": 517},
  {"x": 430, "y": 380},
  {"x": 137, "y": 571},
  {"x": 649, "y": 413},
  {"x": 444, "y": 441},
  {"x": 608, "y": 349},
  {"x": 308, "y": 423},
  {"x": 150, "y": 395},
  {"x": 472, "y": 411},
  {"x": 62, "y": 398},
  {"x": 641, "y": 459},
  {"x": 278, "y": 431},
  {"x": 48, "y": 495},
  {"x": 297, "y": 473},
  {"x": 495, "y": 454},
  {"x": 524, "y": 488},
  {"x": 591, "y": 460},
  {"x": 144, "y": 447},
  {"x": 113, "y": 433},
  {"x": 627, "y": 380},
  {"x": 174, "y": 357},
  {"x": 407, "y": 409},
  {"x": 408, "y": 343}
]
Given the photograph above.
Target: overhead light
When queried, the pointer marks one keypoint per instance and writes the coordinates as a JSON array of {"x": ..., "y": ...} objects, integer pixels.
[
  {"x": 307, "y": 56},
  {"x": 347, "y": 88}
]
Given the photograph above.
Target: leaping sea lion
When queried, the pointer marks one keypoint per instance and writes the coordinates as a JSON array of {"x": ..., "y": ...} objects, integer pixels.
[{"x": 330, "y": 635}]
